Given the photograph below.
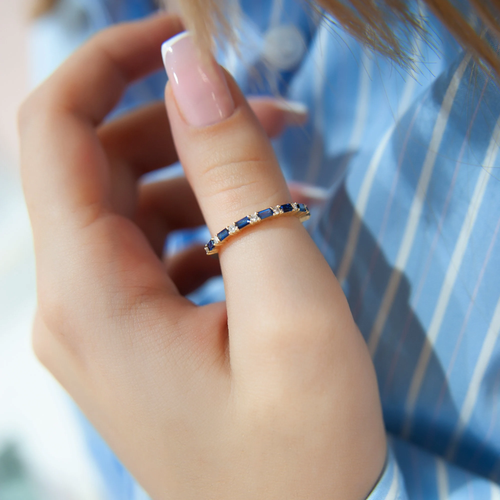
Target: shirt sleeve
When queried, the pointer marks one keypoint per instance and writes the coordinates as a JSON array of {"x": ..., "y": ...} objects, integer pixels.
[
  {"x": 410, "y": 472},
  {"x": 391, "y": 484}
]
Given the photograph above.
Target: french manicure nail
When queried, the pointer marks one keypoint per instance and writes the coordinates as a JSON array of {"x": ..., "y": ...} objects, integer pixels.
[
  {"x": 310, "y": 192},
  {"x": 294, "y": 107},
  {"x": 199, "y": 85},
  {"x": 296, "y": 112}
]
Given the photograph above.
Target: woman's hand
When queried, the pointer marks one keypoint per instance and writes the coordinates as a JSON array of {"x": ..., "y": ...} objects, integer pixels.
[{"x": 271, "y": 395}]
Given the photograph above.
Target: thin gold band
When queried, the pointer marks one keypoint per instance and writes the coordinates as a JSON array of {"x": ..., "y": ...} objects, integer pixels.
[{"x": 297, "y": 209}]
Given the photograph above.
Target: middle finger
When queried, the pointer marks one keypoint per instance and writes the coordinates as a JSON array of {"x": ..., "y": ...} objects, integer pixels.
[{"x": 141, "y": 141}]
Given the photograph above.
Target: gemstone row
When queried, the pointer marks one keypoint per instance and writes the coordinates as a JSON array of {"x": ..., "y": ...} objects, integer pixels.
[{"x": 253, "y": 219}]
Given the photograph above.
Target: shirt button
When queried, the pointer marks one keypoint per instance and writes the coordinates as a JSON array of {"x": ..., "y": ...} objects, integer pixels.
[{"x": 283, "y": 47}]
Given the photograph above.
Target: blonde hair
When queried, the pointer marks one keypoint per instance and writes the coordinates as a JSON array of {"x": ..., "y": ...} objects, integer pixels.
[
  {"x": 40, "y": 7},
  {"x": 383, "y": 25},
  {"x": 386, "y": 26}
]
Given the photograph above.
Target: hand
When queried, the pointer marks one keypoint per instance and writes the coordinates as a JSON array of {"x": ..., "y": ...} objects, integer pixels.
[{"x": 271, "y": 395}]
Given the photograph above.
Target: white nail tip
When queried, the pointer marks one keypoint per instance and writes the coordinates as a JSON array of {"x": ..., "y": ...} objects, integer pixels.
[
  {"x": 311, "y": 192},
  {"x": 167, "y": 46},
  {"x": 295, "y": 107}
]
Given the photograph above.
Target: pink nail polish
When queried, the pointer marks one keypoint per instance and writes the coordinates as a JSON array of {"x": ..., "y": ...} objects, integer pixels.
[{"x": 199, "y": 86}]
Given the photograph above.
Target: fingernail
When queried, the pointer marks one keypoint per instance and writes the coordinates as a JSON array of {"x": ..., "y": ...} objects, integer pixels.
[
  {"x": 296, "y": 112},
  {"x": 199, "y": 85},
  {"x": 308, "y": 191},
  {"x": 295, "y": 107}
]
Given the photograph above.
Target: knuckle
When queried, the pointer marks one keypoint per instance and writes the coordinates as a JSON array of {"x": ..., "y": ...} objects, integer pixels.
[
  {"x": 103, "y": 50},
  {"x": 56, "y": 356},
  {"x": 39, "y": 342},
  {"x": 62, "y": 309},
  {"x": 37, "y": 113},
  {"x": 99, "y": 39},
  {"x": 28, "y": 109},
  {"x": 46, "y": 343},
  {"x": 23, "y": 114},
  {"x": 52, "y": 312},
  {"x": 233, "y": 182},
  {"x": 108, "y": 35}
]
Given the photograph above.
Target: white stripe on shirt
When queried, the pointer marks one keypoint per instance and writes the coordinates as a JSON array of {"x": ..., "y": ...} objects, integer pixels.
[
  {"x": 392, "y": 494},
  {"x": 360, "y": 208},
  {"x": 316, "y": 151},
  {"x": 364, "y": 193},
  {"x": 442, "y": 479},
  {"x": 495, "y": 492},
  {"x": 475, "y": 383},
  {"x": 363, "y": 101},
  {"x": 416, "y": 207},
  {"x": 451, "y": 276},
  {"x": 275, "y": 17}
]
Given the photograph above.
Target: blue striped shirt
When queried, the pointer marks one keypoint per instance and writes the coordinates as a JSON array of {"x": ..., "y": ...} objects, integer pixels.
[{"x": 403, "y": 163}]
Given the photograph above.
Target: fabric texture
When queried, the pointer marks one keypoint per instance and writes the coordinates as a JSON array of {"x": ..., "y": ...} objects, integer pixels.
[{"x": 405, "y": 166}]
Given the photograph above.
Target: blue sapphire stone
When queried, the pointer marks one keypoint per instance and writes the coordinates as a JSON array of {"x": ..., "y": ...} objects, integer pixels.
[
  {"x": 287, "y": 207},
  {"x": 242, "y": 222},
  {"x": 210, "y": 245},
  {"x": 223, "y": 234},
  {"x": 264, "y": 214},
  {"x": 302, "y": 207}
]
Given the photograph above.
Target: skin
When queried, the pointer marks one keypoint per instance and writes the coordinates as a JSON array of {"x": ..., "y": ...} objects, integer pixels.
[{"x": 269, "y": 395}]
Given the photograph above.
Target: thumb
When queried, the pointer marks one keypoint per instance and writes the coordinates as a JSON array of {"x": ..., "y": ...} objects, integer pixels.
[
  {"x": 226, "y": 155},
  {"x": 231, "y": 166}
]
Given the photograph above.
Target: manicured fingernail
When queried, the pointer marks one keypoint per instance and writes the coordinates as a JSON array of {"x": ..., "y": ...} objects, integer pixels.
[
  {"x": 199, "y": 85},
  {"x": 294, "y": 107},
  {"x": 308, "y": 191},
  {"x": 296, "y": 112}
]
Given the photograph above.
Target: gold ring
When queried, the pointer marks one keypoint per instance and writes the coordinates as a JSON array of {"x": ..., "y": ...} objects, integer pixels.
[{"x": 298, "y": 209}]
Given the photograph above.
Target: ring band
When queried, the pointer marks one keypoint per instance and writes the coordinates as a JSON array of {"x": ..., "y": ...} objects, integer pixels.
[{"x": 297, "y": 209}]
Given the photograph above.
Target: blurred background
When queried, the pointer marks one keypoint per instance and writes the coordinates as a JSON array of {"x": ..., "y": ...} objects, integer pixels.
[{"x": 42, "y": 452}]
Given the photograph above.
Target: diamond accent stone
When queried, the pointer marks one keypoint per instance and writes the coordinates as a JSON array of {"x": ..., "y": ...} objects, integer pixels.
[
  {"x": 216, "y": 240},
  {"x": 232, "y": 228},
  {"x": 277, "y": 210},
  {"x": 295, "y": 206},
  {"x": 254, "y": 218}
]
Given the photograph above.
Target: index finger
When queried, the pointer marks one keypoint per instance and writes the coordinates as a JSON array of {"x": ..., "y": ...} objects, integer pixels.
[
  {"x": 66, "y": 173},
  {"x": 91, "y": 81},
  {"x": 64, "y": 168}
]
